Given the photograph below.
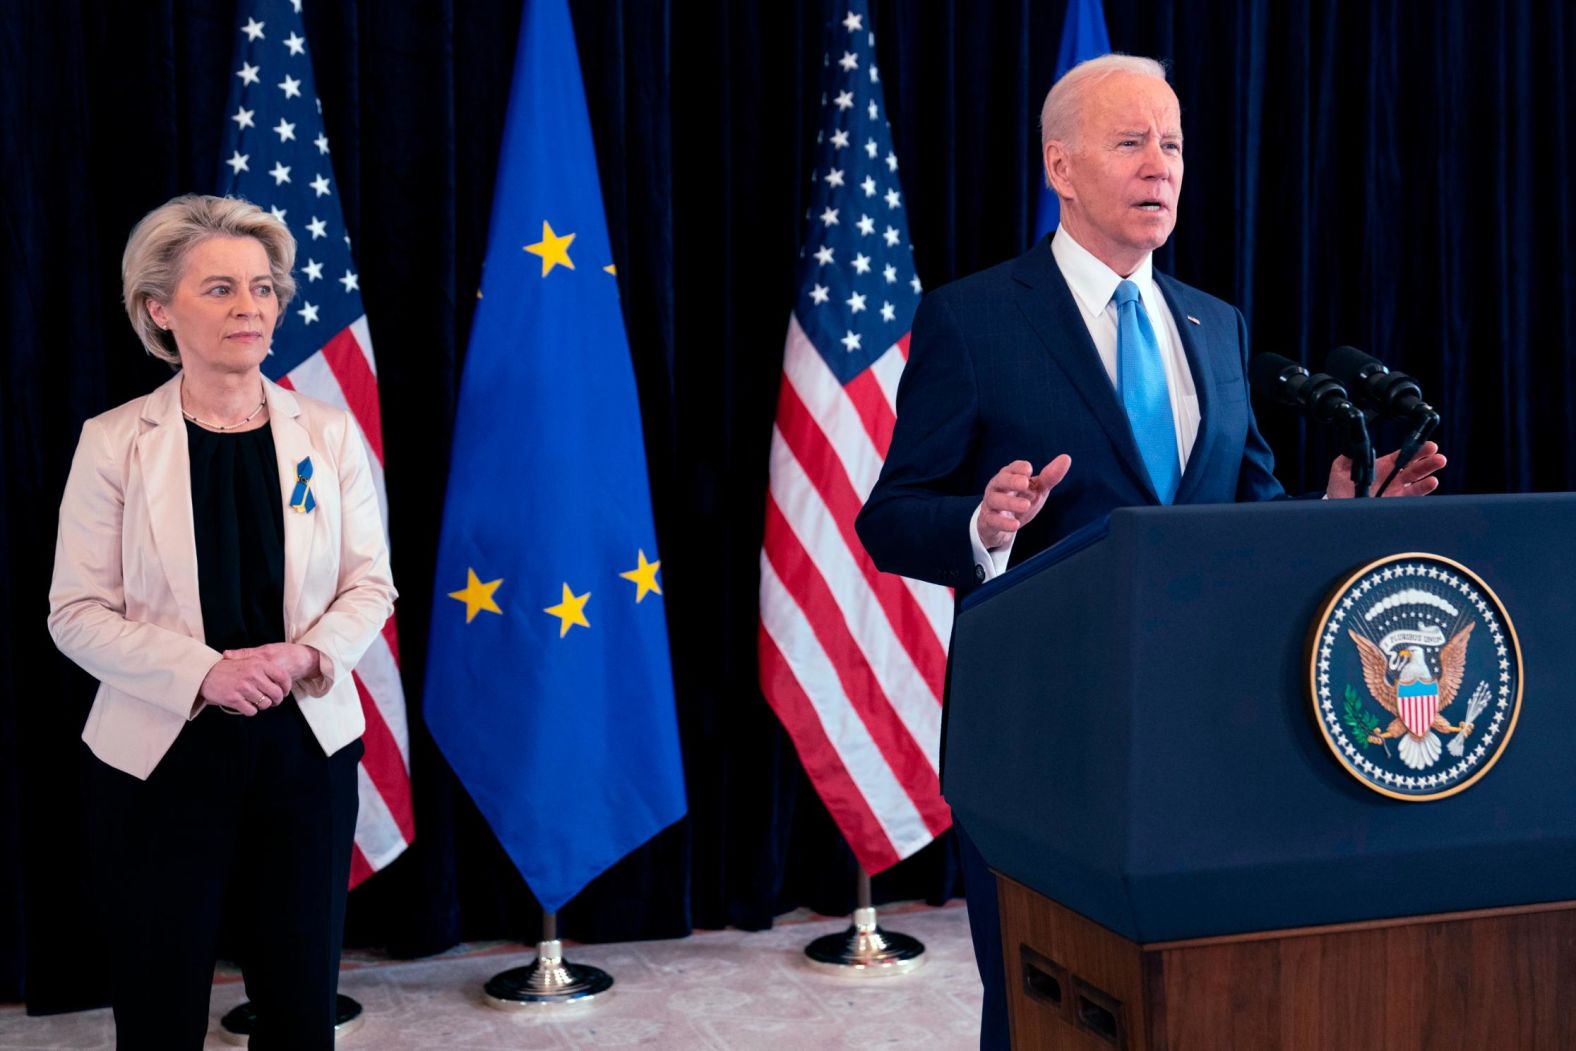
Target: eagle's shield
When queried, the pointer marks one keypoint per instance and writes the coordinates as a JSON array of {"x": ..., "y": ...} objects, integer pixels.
[{"x": 1418, "y": 703}]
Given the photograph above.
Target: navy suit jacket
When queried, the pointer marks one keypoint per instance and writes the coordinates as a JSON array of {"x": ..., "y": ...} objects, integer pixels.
[{"x": 1001, "y": 368}]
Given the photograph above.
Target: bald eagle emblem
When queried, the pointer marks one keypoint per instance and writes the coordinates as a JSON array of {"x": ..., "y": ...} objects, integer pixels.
[
  {"x": 1415, "y": 696},
  {"x": 1416, "y": 676}
]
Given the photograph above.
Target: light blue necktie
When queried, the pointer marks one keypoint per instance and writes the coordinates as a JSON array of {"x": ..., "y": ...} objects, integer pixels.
[{"x": 1142, "y": 378}]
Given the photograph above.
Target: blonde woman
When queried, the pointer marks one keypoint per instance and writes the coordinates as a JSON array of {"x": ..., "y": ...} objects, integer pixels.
[{"x": 220, "y": 569}]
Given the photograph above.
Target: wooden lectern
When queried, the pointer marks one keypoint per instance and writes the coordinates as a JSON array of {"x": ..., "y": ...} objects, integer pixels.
[{"x": 1183, "y": 864}]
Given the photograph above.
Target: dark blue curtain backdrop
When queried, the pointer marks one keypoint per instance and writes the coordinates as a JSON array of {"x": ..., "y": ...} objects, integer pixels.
[{"x": 1391, "y": 174}]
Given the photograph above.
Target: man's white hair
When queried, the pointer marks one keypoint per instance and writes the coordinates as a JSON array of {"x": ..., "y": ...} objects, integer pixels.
[{"x": 1059, "y": 115}]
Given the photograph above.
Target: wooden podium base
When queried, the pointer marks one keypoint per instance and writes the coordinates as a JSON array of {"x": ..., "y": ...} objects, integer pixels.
[{"x": 1492, "y": 979}]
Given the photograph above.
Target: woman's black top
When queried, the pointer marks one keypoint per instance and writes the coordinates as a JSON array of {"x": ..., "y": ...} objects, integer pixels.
[{"x": 238, "y": 515}]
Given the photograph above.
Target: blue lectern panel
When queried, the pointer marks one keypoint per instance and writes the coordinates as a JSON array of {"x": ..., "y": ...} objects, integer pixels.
[{"x": 1130, "y": 731}]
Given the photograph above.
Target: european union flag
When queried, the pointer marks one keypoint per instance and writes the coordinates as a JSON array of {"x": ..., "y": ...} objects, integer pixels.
[
  {"x": 548, "y": 683},
  {"x": 1083, "y": 37}
]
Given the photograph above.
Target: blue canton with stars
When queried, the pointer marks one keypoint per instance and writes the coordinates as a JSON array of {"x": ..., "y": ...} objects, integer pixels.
[
  {"x": 276, "y": 155},
  {"x": 857, "y": 286},
  {"x": 1418, "y": 626}
]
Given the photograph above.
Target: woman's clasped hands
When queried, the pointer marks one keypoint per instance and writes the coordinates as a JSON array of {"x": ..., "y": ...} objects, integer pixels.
[{"x": 248, "y": 680}]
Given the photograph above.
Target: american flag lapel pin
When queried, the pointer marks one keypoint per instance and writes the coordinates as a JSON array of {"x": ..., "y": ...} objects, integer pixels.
[{"x": 1193, "y": 319}]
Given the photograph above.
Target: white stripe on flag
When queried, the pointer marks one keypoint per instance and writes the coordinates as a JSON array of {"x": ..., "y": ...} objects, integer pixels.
[
  {"x": 784, "y": 621},
  {"x": 828, "y": 404},
  {"x": 888, "y": 370},
  {"x": 377, "y": 833},
  {"x": 380, "y": 675},
  {"x": 936, "y": 603},
  {"x": 315, "y": 379},
  {"x": 363, "y": 336},
  {"x": 375, "y": 469},
  {"x": 905, "y": 690}
]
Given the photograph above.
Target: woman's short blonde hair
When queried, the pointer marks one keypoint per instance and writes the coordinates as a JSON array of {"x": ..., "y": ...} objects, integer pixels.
[{"x": 156, "y": 253}]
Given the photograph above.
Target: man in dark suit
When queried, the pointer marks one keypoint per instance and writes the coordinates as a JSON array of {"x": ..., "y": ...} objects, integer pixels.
[{"x": 1125, "y": 384}]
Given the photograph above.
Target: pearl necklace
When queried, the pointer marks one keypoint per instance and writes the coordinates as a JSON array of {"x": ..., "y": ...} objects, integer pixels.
[{"x": 228, "y": 426}]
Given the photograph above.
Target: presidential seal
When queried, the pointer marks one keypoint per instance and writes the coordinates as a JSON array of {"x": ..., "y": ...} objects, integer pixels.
[{"x": 1416, "y": 676}]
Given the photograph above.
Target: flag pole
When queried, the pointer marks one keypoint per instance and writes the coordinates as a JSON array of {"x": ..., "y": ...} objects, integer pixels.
[
  {"x": 238, "y": 1024},
  {"x": 864, "y": 950},
  {"x": 548, "y": 979}
]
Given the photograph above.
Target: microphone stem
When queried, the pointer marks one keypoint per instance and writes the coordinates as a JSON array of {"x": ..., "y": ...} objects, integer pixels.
[
  {"x": 1426, "y": 423},
  {"x": 1360, "y": 449}
]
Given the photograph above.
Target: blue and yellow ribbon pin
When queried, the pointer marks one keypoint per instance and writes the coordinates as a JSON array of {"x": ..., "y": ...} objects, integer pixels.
[{"x": 301, "y": 499}]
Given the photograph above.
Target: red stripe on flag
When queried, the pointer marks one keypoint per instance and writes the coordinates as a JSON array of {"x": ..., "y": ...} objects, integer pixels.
[
  {"x": 803, "y": 581},
  {"x": 284, "y": 381},
  {"x": 822, "y": 763},
  {"x": 360, "y": 869},
  {"x": 870, "y": 402},
  {"x": 385, "y": 765},
  {"x": 348, "y": 363},
  {"x": 819, "y": 460},
  {"x": 902, "y": 344}
]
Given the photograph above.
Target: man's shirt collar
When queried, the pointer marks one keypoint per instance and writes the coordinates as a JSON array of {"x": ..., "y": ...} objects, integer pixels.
[{"x": 1092, "y": 282}]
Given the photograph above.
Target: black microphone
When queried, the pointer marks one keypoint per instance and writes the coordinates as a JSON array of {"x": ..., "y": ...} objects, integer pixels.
[
  {"x": 1392, "y": 394},
  {"x": 1323, "y": 399},
  {"x": 1285, "y": 381},
  {"x": 1374, "y": 387}
]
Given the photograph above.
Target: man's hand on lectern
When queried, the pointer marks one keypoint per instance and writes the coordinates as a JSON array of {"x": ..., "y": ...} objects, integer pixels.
[{"x": 1416, "y": 478}]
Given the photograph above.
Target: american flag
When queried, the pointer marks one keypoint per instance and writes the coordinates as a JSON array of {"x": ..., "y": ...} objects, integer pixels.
[
  {"x": 276, "y": 155},
  {"x": 853, "y": 661}
]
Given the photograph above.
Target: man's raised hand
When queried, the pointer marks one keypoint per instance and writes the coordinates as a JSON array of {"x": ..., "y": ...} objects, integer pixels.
[{"x": 1015, "y": 495}]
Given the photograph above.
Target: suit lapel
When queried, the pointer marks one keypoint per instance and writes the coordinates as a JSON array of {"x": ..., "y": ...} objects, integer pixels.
[
  {"x": 1196, "y": 344},
  {"x": 1048, "y": 304},
  {"x": 165, "y": 463},
  {"x": 292, "y": 444}
]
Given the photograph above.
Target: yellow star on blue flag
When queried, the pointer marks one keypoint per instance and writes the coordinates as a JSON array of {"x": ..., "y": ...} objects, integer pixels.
[
  {"x": 553, "y": 249},
  {"x": 476, "y": 595},
  {"x": 571, "y": 610},
  {"x": 644, "y": 577}
]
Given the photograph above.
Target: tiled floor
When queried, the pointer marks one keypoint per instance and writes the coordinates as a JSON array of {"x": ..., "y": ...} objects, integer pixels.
[{"x": 724, "y": 990}]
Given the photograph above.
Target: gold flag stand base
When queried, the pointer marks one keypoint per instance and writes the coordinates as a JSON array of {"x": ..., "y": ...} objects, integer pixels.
[
  {"x": 864, "y": 950},
  {"x": 548, "y": 980}
]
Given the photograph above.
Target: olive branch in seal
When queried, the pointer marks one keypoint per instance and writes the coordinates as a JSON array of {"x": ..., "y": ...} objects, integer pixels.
[{"x": 1360, "y": 721}]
